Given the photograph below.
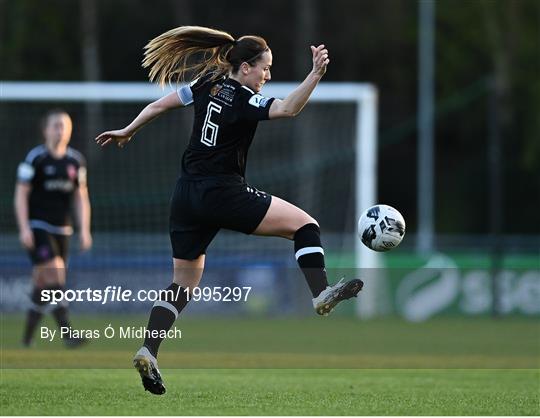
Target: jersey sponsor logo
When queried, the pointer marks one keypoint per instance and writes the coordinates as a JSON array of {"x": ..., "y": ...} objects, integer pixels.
[
  {"x": 57, "y": 185},
  {"x": 258, "y": 100},
  {"x": 223, "y": 94}
]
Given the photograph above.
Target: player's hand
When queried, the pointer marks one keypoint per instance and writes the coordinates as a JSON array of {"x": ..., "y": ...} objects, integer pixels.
[
  {"x": 320, "y": 60},
  {"x": 120, "y": 137},
  {"x": 26, "y": 237},
  {"x": 85, "y": 241}
]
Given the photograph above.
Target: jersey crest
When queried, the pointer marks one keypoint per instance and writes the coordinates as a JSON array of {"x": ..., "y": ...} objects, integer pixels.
[
  {"x": 215, "y": 89},
  {"x": 71, "y": 171}
]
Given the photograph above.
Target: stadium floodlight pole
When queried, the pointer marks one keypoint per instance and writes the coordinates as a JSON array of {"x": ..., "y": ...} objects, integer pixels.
[{"x": 425, "y": 172}]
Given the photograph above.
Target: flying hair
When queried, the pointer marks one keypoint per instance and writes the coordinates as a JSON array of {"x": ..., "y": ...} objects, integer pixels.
[{"x": 198, "y": 50}]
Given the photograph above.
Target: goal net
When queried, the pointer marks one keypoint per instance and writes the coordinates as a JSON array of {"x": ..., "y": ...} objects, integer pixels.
[{"x": 323, "y": 161}]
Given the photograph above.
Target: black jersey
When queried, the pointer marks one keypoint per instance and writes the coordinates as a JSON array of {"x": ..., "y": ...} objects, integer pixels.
[
  {"x": 226, "y": 117},
  {"x": 53, "y": 182}
]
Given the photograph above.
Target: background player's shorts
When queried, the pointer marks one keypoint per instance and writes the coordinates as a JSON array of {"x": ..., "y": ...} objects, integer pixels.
[
  {"x": 200, "y": 208},
  {"x": 47, "y": 246}
]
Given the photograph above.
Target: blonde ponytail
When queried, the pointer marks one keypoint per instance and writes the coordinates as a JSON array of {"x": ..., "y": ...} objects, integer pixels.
[{"x": 172, "y": 54}]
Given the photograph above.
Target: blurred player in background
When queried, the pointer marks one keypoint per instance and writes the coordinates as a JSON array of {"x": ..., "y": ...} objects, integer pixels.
[
  {"x": 212, "y": 193},
  {"x": 50, "y": 181}
]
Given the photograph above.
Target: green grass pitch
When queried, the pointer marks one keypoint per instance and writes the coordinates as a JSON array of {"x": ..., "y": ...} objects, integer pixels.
[{"x": 316, "y": 366}]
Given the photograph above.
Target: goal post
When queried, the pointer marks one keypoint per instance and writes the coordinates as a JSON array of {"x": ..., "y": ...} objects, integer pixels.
[{"x": 362, "y": 96}]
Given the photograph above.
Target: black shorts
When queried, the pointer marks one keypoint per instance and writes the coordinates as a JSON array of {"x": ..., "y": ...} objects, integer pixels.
[
  {"x": 47, "y": 246},
  {"x": 201, "y": 207}
]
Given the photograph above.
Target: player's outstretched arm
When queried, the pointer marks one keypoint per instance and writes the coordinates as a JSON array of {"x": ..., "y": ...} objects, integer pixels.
[
  {"x": 295, "y": 101},
  {"x": 149, "y": 113}
]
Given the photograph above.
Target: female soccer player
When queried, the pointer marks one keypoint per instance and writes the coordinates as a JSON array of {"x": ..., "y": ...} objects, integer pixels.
[
  {"x": 49, "y": 181},
  {"x": 211, "y": 193}
]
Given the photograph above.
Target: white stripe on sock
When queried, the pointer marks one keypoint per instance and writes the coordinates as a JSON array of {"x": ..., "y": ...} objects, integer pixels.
[
  {"x": 63, "y": 303},
  {"x": 42, "y": 309},
  {"x": 308, "y": 250},
  {"x": 168, "y": 306}
]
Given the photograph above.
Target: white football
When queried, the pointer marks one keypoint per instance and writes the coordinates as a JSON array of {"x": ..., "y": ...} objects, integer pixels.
[{"x": 381, "y": 228}]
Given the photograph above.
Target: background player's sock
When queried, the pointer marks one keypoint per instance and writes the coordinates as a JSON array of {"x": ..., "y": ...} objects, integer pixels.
[
  {"x": 35, "y": 313},
  {"x": 164, "y": 313},
  {"x": 60, "y": 314},
  {"x": 310, "y": 256}
]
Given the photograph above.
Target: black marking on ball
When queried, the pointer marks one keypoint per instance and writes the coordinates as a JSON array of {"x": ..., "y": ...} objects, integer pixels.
[
  {"x": 369, "y": 235},
  {"x": 395, "y": 226},
  {"x": 373, "y": 212}
]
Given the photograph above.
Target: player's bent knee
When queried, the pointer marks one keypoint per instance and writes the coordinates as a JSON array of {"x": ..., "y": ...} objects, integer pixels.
[
  {"x": 51, "y": 272},
  {"x": 306, "y": 221},
  {"x": 298, "y": 224},
  {"x": 311, "y": 220},
  {"x": 185, "y": 263},
  {"x": 188, "y": 273}
]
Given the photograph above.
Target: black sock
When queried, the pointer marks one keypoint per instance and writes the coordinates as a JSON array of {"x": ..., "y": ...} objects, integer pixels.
[
  {"x": 60, "y": 314},
  {"x": 164, "y": 313},
  {"x": 310, "y": 256},
  {"x": 60, "y": 311},
  {"x": 35, "y": 313}
]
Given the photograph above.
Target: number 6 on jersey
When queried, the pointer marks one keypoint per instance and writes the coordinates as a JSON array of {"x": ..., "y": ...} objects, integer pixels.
[{"x": 210, "y": 129}]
